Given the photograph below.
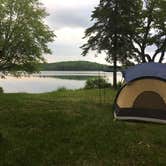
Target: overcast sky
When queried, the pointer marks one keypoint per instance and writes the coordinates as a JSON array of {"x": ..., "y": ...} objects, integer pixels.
[{"x": 69, "y": 19}]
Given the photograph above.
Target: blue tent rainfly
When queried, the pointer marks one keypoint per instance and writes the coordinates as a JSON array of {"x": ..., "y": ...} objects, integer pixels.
[{"x": 151, "y": 69}]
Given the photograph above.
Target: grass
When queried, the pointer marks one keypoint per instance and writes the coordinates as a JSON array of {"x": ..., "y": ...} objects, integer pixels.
[{"x": 68, "y": 128}]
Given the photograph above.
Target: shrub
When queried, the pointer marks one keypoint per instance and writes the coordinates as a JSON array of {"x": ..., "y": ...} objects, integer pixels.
[
  {"x": 1, "y": 90},
  {"x": 99, "y": 82},
  {"x": 119, "y": 85},
  {"x": 61, "y": 89}
]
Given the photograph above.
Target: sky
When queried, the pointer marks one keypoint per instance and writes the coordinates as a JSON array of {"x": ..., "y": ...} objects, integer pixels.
[{"x": 69, "y": 20}]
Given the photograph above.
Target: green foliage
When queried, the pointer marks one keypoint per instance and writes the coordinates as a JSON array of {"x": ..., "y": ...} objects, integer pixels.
[
  {"x": 1, "y": 90},
  {"x": 76, "y": 66},
  {"x": 125, "y": 29},
  {"x": 23, "y": 35},
  {"x": 114, "y": 21},
  {"x": 150, "y": 32},
  {"x": 99, "y": 82},
  {"x": 119, "y": 85},
  {"x": 61, "y": 89}
]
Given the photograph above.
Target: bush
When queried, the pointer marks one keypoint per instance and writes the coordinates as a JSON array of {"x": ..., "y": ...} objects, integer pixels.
[
  {"x": 119, "y": 85},
  {"x": 61, "y": 89},
  {"x": 1, "y": 90},
  {"x": 99, "y": 82}
]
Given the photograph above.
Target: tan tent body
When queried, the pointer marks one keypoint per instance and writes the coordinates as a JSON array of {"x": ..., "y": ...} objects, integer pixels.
[{"x": 142, "y": 98}]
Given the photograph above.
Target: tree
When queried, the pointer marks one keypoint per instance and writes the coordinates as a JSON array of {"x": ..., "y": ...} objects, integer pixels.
[
  {"x": 23, "y": 35},
  {"x": 151, "y": 32},
  {"x": 114, "y": 22}
]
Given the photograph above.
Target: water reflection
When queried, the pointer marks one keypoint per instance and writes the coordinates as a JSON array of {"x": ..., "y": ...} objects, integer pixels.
[{"x": 49, "y": 81}]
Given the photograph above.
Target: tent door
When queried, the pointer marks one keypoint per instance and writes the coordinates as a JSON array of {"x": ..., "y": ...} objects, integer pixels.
[{"x": 149, "y": 100}]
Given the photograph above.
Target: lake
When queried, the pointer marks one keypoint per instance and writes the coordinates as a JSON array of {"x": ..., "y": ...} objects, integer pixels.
[{"x": 47, "y": 81}]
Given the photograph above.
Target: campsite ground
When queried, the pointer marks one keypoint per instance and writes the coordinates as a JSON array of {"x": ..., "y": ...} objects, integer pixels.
[{"x": 74, "y": 128}]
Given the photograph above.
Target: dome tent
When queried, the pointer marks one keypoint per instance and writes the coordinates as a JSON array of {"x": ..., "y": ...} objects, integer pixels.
[{"x": 143, "y": 97}]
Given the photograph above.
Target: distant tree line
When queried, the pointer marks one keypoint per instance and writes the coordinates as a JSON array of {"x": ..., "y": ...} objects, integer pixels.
[
  {"x": 126, "y": 29},
  {"x": 76, "y": 66}
]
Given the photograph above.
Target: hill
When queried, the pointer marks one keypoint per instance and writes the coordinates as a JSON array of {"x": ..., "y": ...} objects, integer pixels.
[{"x": 75, "y": 66}]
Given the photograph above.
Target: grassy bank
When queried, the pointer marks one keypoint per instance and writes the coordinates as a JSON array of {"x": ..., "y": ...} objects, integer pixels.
[{"x": 74, "y": 128}]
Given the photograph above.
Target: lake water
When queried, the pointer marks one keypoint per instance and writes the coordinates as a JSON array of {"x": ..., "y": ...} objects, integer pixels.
[{"x": 47, "y": 81}]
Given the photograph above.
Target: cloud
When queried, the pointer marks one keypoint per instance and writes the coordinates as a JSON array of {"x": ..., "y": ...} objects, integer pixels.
[
  {"x": 69, "y": 21},
  {"x": 67, "y": 47},
  {"x": 72, "y": 4},
  {"x": 70, "y": 18},
  {"x": 68, "y": 42},
  {"x": 76, "y": 13},
  {"x": 70, "y": 35}
]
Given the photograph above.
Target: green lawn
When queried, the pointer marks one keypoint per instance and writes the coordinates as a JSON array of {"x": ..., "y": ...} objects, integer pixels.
[{"x": 69, "y": 128}]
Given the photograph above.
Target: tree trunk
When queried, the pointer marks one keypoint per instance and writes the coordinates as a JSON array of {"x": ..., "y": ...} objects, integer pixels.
[
  {"x": 115, "y": 63},
  {"x": 115, "y": 50},
  {"x": 162, "y": 56},
  {"x": 115, "y": 72},
  {"x": 143, "y": 55}
]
